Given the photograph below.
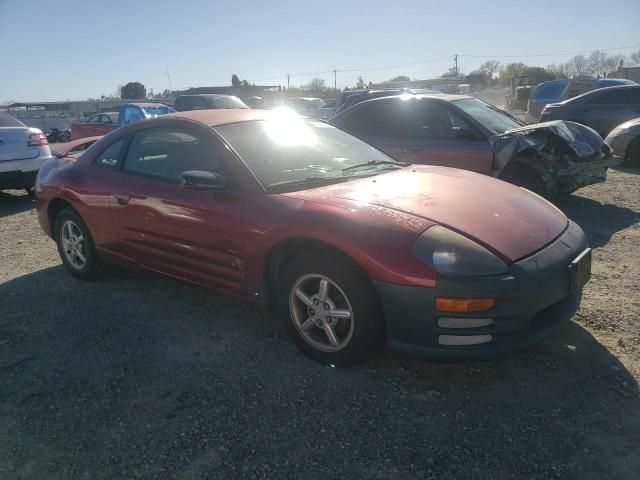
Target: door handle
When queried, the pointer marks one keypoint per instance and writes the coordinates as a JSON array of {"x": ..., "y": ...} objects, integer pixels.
[{"x": 122, "y": 198}]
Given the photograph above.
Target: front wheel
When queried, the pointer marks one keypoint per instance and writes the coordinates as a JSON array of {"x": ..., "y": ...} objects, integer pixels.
[
  {"x": 632, "y": 155},
  {"x": 75, "y": 245},
  {"x": 331, "y": 310},
  {"x": 526, "y": 177}
]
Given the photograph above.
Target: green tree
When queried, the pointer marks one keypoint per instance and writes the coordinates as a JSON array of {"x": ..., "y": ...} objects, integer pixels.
[
  {"x": 400, "y": 78},
  {"x": 235, "y": 81},
  {"x": 489, "y": 68},
  {"x": 360, "y": 85},
  {"x": 451, "y": 73},
  {"x": 133, "y": 90}
]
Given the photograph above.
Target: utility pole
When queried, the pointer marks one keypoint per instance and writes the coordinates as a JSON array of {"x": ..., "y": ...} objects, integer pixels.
[
  {"x": 288, "y": 76},
  {"x": 335, "y": 82},
  {"x": 455, "y": 59},
  {"x": 168, "y": 78}
]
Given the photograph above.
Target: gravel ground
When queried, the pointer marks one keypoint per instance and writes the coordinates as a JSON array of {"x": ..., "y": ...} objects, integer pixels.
[{"x": 133, "y": 376}]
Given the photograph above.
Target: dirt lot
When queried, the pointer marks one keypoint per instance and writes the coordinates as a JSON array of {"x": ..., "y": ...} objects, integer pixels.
[{"x": 132, "y": 376}]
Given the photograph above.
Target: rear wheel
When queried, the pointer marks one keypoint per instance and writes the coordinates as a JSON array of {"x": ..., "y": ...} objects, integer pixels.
[
  {"x": 632, "y": 155},
  {"x": 330, "y": 309},
  {"x": 75, "y": 245}
]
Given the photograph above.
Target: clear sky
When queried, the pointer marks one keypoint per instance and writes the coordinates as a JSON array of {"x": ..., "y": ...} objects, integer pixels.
[{"x": 74, "y": 49}]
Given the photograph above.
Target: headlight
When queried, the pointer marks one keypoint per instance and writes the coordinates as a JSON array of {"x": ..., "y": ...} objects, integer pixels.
[{"x": 453, "y": 254}]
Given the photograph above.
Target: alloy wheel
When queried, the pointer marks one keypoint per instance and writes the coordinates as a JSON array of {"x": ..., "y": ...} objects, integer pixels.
[
  {"x": 73, "y": 244},
  {"x": 321, "y": 312}
]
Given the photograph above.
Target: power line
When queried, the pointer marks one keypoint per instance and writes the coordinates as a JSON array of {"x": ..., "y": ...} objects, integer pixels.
[
  {"x": 393, "y": 66},
  {"x": 403, "y": 65},
  {"x": 549, "y": 54}
]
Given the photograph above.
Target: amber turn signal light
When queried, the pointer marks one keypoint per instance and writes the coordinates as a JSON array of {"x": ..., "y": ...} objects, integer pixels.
[{"x": 464, "y": 305}]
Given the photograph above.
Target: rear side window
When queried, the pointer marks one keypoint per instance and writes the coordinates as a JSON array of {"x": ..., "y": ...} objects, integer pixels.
[
  {"x": 379, "y": 118},
  {"x": 624, "y": 96},
  {"x": 110, "y": 157},
  {"x": 167, "y": 152},
  {"x": 549, "y": 90},
  {"x": 132, "y": 114},
  {"x": 185, "y": 104}
]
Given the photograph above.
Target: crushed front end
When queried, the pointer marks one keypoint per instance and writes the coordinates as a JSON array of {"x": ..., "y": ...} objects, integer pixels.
[{"x": 566, "y": 155}]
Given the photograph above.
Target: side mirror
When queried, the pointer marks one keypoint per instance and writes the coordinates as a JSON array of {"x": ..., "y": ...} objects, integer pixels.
[
  {"x": 466, "y": 134},
  {"x": 198, "y": 179}
]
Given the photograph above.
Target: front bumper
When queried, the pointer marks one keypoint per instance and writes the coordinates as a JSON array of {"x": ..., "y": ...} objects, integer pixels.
[
  {"x": 535, "y": 297},
  {"x": 580, "y": 174}
]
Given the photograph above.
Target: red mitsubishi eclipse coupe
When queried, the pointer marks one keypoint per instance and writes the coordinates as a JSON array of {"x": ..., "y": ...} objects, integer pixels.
[{"x": 357, "y": 250}]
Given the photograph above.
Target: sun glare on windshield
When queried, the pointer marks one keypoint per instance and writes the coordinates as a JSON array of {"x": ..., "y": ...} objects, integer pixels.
[{"x": 286, "y": 128}]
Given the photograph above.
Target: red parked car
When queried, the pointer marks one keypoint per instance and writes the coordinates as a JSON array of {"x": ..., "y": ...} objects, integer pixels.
[{"x": 356, "y": 249}]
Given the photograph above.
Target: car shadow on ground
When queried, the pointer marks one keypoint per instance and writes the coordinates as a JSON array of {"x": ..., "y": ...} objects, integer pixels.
[
  {"x": 15, "y": 201},
  {"x": 631, "y": 170},
  {"x": 598, "y": 220},
  {"x": 131, "y": 375}
]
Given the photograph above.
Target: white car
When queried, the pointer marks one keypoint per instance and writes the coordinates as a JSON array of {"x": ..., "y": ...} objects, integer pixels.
[{"x": 22, "y": 151}]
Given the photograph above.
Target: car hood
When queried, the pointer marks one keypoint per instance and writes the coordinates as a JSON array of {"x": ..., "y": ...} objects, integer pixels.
[
  {"x": 508, "y": 220},
  {"x": 580, "y": 142}
]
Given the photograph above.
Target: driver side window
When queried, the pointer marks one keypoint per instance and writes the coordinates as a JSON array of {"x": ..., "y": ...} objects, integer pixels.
[
  {"x": 166, "y": 152},
  {"x": 431, "y": 120}
]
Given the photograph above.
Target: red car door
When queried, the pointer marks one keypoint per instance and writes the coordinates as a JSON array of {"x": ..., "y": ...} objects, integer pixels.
[
  {"x": 420, "y": 130},
  {"x": 193, "y": 234},
  {"x": 438, "y": 135}
]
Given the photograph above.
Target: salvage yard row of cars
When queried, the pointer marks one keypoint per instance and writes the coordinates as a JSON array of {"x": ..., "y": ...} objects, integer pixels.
[{"x": 358, "y": 229}]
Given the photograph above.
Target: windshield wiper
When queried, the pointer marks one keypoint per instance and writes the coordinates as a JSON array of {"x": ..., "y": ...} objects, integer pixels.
[
  {"x": 373, "y": 163},
  {"x": 504, "y": 112},
  {"x": 302, "y": 181}
]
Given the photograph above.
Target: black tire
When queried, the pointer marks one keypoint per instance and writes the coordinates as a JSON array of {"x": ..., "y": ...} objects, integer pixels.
[
  {"x": 526, "y": 177},
  {"x": 632, "y": 155},
  {"x": 367, "y": 321},
  {"x": 90, "y": 268}
]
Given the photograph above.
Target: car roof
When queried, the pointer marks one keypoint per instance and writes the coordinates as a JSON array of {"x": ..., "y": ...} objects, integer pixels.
[
  {"x": 447, "y": 97},
  {"x": 206, "y": 95},
  {"x": 591, "y": 93},
  {"x": 216, "y": 117},
  {"x": 145, "y": 104}
]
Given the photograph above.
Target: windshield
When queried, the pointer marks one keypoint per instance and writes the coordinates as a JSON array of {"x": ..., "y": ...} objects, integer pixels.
[
  {"x": 7, "y": 120},
  {"x": 306, "y": 103},
  {"x": 159, "y": 110},
  {"x": 489, "y": 116},
  {"x": 291, "y": 149}
]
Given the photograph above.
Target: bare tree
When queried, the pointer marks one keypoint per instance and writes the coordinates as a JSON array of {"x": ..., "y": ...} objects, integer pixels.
[
  {"x": 489, "y": 68},
  {"x": 578, "y": 66},
  {"x": 635, "y": 57},
  {"x": 560, "y": 70},
  {"x": 613, "y": 63},
  {"x": 316, "y": 85},
  {"x": 598, "y": 63}
]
